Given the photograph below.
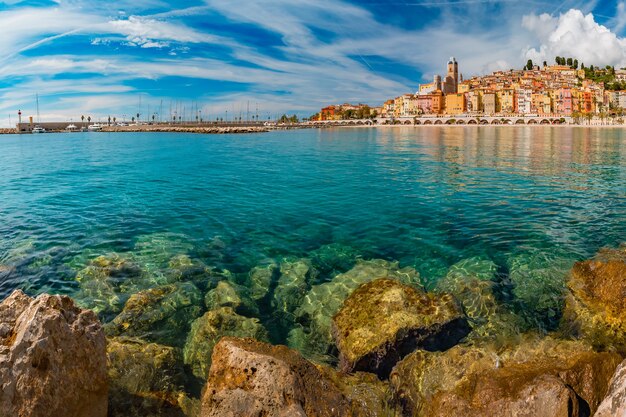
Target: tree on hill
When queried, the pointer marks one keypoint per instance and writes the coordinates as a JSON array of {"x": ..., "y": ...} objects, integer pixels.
[
  {"x": 545, "y": 63},
  {"x": 570, "y": 62},
  {"x": 529, "y": 65},
  {"x": 575, "y": 64}
]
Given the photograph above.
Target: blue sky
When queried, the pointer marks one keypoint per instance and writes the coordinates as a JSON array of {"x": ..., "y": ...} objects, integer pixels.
[{"x": 119, "y": 57}]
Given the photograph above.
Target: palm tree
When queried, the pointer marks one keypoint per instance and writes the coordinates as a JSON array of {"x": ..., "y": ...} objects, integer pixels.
[
  {"x": 114, "y": 120},
  {"x": 109, "y": 120},
  {"x": 89, "y": 119},
  {"x": 82, "y": 118},
  {"x": 133, "y": 119}
]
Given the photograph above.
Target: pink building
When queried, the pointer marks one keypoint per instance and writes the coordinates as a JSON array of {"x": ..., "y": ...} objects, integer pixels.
[{"x": 564, "y": 105}]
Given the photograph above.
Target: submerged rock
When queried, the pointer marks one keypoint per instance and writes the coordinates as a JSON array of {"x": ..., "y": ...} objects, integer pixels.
[
  {"x": 323, "y": 301},
  {"x": 209, "y": 329},
  {"x": 154, "y": 251},
  {"x": 539, "y": 377},
  {"x": 146, "y": 379},
  {"x": 292, "y": 286},
  {"x": 614, "y": 404},
  {"x": 227, "y": 294},
  {"x": 333, "y": 258},
  {"x": 250, "y": 379},
  {"x": 101, "y": 283},
  {"x": 162, "y": 314},
  {"x": 538, "y": 280},
  {"x": 52, "y": 358},
  {"x": 383, "y": 321},
  {"x": 261, "y": 279},
  {"x": 596, "y": 304}
]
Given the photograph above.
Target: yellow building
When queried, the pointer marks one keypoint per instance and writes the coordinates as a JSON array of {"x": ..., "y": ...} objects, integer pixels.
[
  {"x": 490, "y": 103},
  {"x": 455, "y": 104},
  {"x": 506, "y": 98}
]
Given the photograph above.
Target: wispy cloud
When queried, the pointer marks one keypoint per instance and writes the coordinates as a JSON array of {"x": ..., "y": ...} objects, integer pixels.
[{"x": 85, "y": 56}]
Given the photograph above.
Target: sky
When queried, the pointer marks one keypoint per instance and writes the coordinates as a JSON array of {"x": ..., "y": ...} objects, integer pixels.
[{"x": 236, "y": 58}]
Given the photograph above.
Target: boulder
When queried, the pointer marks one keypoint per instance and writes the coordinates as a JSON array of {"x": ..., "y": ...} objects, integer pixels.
[
  {"x": 146, "y": 379},
  {"x": 292, "y": 285},
  {"x": 333, "y": 258},
  {"x": 323, "y": 301},
  {"x": 539, "y": 285},
  {"x": 539, "y": 377},
  {"x": 52, "y": 358},
  {"x": 383, "y": 321},
  {"x": 261, "y": 279},
  {"x": 162, "y": 314},
  {"x": 227, "y": 294},
  {"x": 100, "y": 283},
  {"x": 596, "y": 303},
  {"x": 207, "y": 330},
  {"x": 249, "y": 378},
  {"x": 614, "y": 404}
]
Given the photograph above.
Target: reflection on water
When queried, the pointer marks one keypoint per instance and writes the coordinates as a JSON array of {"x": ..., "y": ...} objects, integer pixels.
[{"x": 106, "y": 216}]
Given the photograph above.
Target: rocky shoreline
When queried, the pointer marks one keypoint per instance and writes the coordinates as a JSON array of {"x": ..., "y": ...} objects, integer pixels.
[{"x": 402, "y": 350}]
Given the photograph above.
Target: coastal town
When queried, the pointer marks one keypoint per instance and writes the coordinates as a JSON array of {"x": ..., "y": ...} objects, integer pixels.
[{"x": 563, "y": 90}]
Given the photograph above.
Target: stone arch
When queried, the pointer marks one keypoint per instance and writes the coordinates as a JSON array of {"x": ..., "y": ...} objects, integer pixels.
[
  {"x": 545, "y": 122},
  {"x": 484, "y": 122},
  {"x": 407, "y": 122},
  {"x": 417, "y": 122},
  {"x": 438, "y": 122},
  {"x": 507, "y": 122},
  {"x": 451, "y": 121},
  {"x": 495, "y": 122},
  {"x": 460, "y": 122},
  {"x": 472, "y": 122},
  {"x": 428, "y": 122},
  {"x": 520, "y": 122},
  {"x": 532, "y": 122}
]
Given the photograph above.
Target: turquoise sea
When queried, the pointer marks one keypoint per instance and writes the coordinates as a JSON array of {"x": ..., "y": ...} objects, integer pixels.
[{"x": 531, "y": 200}]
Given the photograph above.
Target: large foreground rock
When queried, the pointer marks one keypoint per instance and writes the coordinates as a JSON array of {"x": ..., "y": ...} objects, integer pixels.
[
  {"x": 539, "y": 377},
  {"x": 250, "y": 379},
  {"x": 52, "y": 359},
  {"x": 383, "y": 321},
  {"x": 596, "y": 304},
  {"x": 615, "y": 402}
]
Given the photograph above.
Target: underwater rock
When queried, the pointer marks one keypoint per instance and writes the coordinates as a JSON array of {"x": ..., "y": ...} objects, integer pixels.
[
  {"x": 383, "y": 321},
  {"x": 333, "y": 258},
  {"x": 101, "y": 281},
  {"x": 614, "y": 404},
  {"x": 539, "y": 377},
  {"x": 292, "y": 285},
  {"x": 146, "y": 379},
  {"x": 249, "y": 379},
  {"x": 160, "y": 314},
  {"x": 186, "y": 269},
  {"x": 207, "y": 330},
  {"x": 227, "y": 294},
  {"x": 323, "y": 301},
  {"x": 539, "y": 285},
  {"x": 154, "y": 251},
  {"x": 596, "y": 303},
  {"x": 261, "y": 278},
  {"x": 52, "y": 358}
]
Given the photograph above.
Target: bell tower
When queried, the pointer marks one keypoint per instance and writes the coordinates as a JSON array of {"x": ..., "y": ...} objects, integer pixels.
[{"x": 453, "y": 72}]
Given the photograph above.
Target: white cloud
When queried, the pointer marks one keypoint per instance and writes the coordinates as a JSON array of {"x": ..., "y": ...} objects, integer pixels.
[
  {"x": 574, "y": 34},
  {"x": 151, "y": 33}
]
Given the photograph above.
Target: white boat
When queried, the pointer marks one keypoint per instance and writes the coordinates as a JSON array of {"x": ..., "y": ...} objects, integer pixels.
[
  {"x": 72, "y": 128},
  {"x": 95, "y": 128},
  {"x": 38, "y": 129}
]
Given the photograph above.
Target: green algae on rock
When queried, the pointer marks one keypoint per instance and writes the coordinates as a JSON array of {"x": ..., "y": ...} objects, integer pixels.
[
  {"x": 207, "y": 330},
  {"x": 539, "y": 377},
  {"x": 323, "y": 301},
  {"x": 227, "y": 294},
  {"x": 382, "y": 321},
  {"x": 146, "y": 379},
  {"x": 249, "y": 379},
  {"x": 162, "y": 314},
  {"x": 261, "y": 279},
  {"x": 333, "y": 258},
  {"x": 596, "y": 304},
  {"x": 539, "y": 284},
  {"x": 292, "y": 286}
]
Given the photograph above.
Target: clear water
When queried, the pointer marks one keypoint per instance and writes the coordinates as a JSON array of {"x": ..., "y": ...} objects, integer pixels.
[{"x": 426, "y": 197}]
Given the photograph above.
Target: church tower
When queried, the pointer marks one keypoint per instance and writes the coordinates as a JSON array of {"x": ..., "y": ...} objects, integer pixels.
[{"x": 453, "y": 73}]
